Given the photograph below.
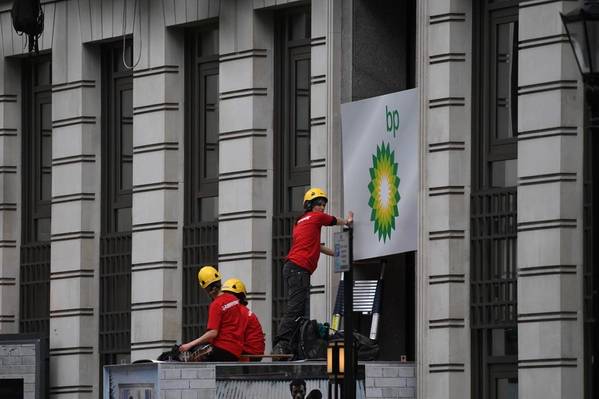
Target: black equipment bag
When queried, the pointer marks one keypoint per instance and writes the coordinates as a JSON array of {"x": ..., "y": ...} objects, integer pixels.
[
  {"x": 27, "y": 17},
  {"x": 311, "y": 343},
  {"x": 367, "y": 349}
]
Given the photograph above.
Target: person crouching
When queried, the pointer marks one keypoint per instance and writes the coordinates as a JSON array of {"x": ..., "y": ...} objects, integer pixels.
[
  {"x": 253, "y": 343},
  {"x": 227, "y": 321}
]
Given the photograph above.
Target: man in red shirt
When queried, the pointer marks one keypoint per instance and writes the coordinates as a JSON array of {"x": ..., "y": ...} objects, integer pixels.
[
  {"x": 227, "y": 320},
  {"x": 254, "y": 336},
  {"x": 301, "y": 262}
]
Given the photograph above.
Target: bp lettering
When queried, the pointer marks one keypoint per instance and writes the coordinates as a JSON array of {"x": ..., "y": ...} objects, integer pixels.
[{"x": 392, "y": 119}]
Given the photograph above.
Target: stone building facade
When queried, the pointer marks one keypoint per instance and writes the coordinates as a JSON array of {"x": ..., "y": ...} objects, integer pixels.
[{"x": 117, "y": 182}]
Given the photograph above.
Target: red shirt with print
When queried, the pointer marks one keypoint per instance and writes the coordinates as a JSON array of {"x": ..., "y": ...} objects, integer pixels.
[
  {"x": 254, "y": 336},
  {"x": 228, "y": 317},
  {"x": 305, "y": 247}
]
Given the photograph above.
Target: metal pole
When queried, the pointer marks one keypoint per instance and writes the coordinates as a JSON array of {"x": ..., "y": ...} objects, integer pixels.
[{"x": 349, "y": 382}]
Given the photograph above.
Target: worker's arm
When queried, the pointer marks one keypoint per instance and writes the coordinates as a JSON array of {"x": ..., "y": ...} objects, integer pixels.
[
  {"x": 206, "y": 338},
  {"x": 326, "y": 250},
  {"x": 346, "y": 222}
]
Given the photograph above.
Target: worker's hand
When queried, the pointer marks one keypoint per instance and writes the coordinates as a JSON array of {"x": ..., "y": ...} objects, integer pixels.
[
  {"x": 185, "y": 347},
  {"x": 350, "y": 217}
]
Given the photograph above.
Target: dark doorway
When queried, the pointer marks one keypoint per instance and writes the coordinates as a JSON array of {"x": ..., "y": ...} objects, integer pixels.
[{"x": 11, "y": 388}]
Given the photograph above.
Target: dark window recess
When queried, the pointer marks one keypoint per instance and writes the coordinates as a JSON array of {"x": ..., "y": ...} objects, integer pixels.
[
  {"x": 291, "y": 140},
  {"x": 11, "y": 388},
  {"x": 115, "y": 240},
  {"x": 34, "y": 280},
  {"x": 493, "y": 277},
  {"x": 200, "y": 233},
  {"x": 391, "y": 24},
  {"x": 590, "y": 247}
]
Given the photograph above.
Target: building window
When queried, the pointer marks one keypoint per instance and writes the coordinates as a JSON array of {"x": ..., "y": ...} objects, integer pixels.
[
  {"x": 115, "y": 239},
  {"x": 34, "y": 280},
  {"x": 493, "y": 278},
  {"x": 591, "y": 254},
  {"x": 200, "y": 233},
  {"x": 291, "y": 140}
]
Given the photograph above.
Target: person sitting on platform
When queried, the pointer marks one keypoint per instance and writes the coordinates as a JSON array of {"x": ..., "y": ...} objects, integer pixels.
[
  {"x": 253, "y": 343},
  {"x": 227, "y": 320}
]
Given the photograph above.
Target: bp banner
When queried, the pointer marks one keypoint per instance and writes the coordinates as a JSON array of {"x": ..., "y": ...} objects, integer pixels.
[{"x": 381, "y": 172}]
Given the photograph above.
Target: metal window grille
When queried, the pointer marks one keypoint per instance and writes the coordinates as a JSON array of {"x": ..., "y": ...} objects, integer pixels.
[
  {"x": 200, "y": 232},
  {"x": 35, "y": 288},
  {"x": 115, "y": 240},
  {"x": 281, "y": 243},
  {"x": 493, "y": 278},
  {"x": 291, "y": 141},
  {"x": 115, "y": 296},
  {"x": 200, "y": 246},
  {"x": 37, "y": 178}
]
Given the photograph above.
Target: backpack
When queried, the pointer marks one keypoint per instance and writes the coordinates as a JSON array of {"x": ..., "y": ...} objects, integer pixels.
[
  {"x": 28, "y": 18},
  {"x": 312, "y": 339},
  {"x": 366, "y": 348}
]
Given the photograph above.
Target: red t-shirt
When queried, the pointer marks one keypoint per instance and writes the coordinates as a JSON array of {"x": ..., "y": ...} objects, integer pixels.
[
  {"x": 305, "y": 247},
  {"x": 254, "y": 336},
  {"x": 228, "y": 317}
]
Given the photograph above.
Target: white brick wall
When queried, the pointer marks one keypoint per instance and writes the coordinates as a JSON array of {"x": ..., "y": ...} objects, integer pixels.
[
  {"x": 18, "y": 362},
  {"x": 390, "y": 381},
  {"x": 187, "y": 382}
]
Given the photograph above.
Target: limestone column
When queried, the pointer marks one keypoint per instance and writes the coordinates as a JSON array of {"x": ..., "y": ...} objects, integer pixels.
[
  {"x": 10, "y": 194},
  {"x": 75, "y": 210},
  {"x": 550, "y": 181},
  {"x": 158, "y": 119},
  {"x": 443, "y": 274},
  {"x": 245, "y": 151},
  {"x": 325, "y": 139}
]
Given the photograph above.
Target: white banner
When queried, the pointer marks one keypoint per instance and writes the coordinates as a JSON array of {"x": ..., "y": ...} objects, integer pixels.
[{"x": 381, "y": 172}]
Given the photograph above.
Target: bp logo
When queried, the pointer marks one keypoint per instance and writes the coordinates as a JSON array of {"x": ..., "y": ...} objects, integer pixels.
[{"x": 384, "y": 191}]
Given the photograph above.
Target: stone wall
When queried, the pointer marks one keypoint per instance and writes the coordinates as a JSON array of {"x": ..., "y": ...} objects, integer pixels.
[
  {"x": 390, "y": 380},
  {"x": 179, "y": 381},
  {"x": 18, "y": 360}
]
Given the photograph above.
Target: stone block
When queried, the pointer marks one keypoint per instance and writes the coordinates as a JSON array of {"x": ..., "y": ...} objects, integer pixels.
[
  {"x": 411, "y": 382},
  {"x": 174, "y": 384},
  {"x": 374, "y": 371},
  {"x": 207, "y": 393},
  {"x": 11, "y": 360},
  {"x": 171, "y": 374},
  {"x": 407, "y": 392},
  {"x": 390, "y": 372},
  {"x": 174, "y": 394},
  {"x": 28, "y": 387},
  {"x": 374, "y": 393},
  {"x": 28, "y": 360},
  {"x": 202, "y": 383},
  {"x": 190, "y": 394},
  {"x": 392, "y": 392},
  {"x": 189, "y": 374},
  {"x": 28, "y": 350},
  {"x": 389, "y": 382},
  {"x": 28, "y": 395},
  {"x": 406, "y": 371},
  {"x": 207, "y": 372},
  {"x": 15, "y": 351}
]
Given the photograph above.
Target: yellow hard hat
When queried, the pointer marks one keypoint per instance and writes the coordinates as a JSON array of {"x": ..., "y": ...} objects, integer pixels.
[
  {"x": 313, "y": 193},
  {"x": 208, "y": 275},
  {"x": 235, "y": 286}
]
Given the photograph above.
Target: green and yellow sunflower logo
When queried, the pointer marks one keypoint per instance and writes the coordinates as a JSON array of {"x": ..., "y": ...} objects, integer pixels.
[{"x": 384, "y": 191}]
